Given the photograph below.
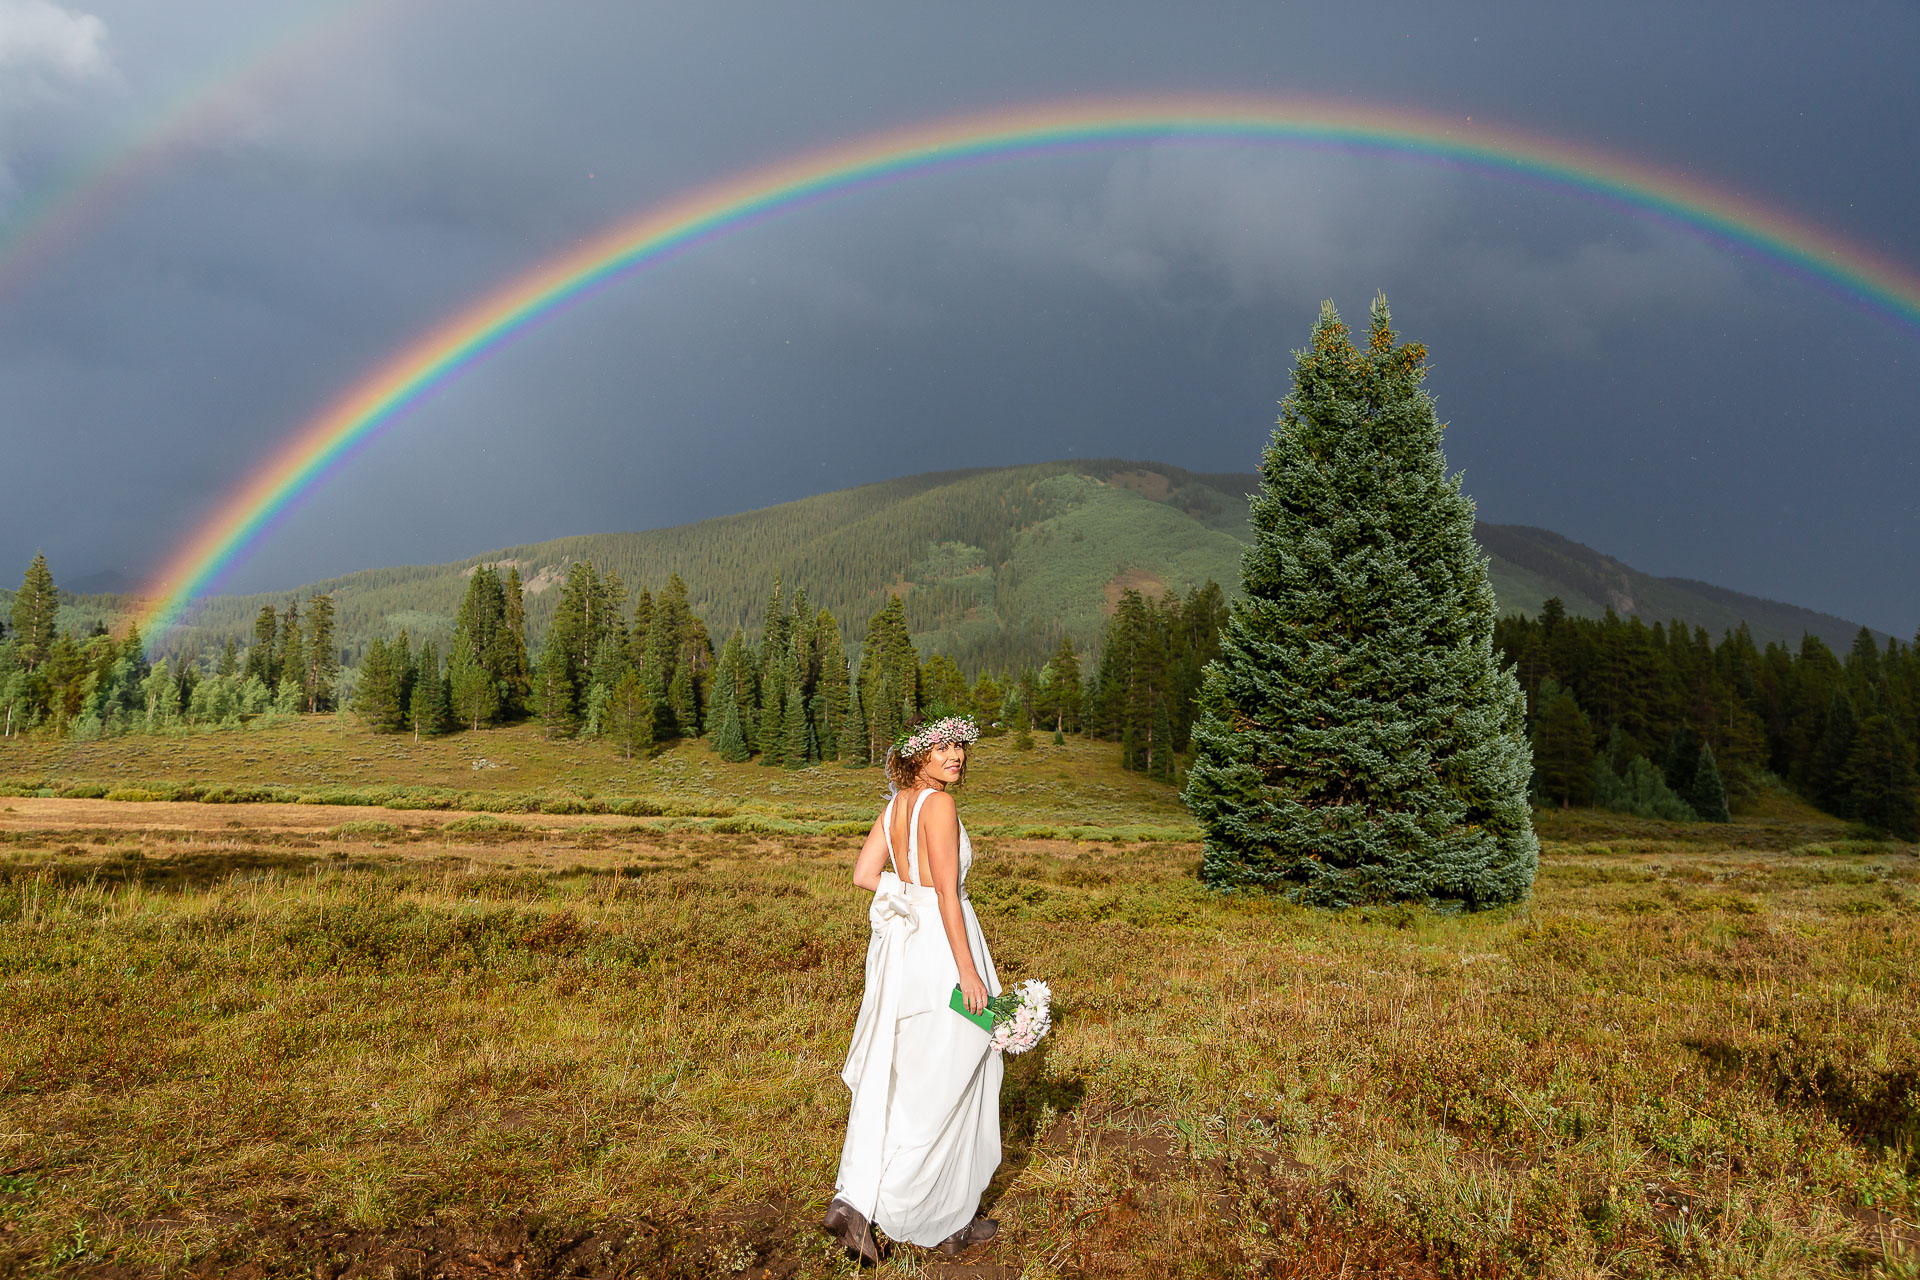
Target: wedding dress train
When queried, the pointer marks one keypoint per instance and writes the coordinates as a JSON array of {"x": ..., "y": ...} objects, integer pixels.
[{"x": 923, "y": 1132}]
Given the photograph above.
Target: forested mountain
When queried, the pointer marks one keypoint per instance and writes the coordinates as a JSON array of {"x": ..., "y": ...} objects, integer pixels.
[{"x": 995, "y": 565}]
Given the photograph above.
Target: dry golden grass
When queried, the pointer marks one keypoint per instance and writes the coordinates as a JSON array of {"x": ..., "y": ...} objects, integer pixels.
[
  {"x": 424, "y": 1043},
  {"x": 1064, "y": 790}
]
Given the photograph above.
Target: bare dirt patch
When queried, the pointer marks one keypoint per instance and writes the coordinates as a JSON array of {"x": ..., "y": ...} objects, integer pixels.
[
  {"x": 1148, "y": 484},
  {"x": 1140, "y": 580}
]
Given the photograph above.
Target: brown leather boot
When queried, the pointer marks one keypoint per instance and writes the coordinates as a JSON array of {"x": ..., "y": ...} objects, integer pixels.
[
  {"x": 979, "y": 1231},
  {"x": 850, "y": 1227}
]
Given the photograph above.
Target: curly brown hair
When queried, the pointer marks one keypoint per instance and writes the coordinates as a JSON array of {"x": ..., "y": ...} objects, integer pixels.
[{"x": 904, "y": 771}]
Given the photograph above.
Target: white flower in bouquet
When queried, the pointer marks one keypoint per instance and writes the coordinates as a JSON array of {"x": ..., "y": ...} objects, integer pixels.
[{"x": 1021, "y": 1016}]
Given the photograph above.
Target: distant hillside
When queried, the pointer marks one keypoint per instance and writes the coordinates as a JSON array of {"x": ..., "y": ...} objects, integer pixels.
[{"x": 995, "y": 564}]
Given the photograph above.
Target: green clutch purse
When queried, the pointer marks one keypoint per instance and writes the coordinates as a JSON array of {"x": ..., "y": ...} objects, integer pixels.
[{"x": 982, "y": 1019}]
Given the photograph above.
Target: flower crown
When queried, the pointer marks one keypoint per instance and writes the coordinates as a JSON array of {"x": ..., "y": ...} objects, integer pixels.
[{"x": 946, "y": 732}]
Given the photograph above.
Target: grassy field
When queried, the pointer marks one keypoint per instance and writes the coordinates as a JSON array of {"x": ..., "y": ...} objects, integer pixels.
[
  {"x": 1073, "y": 789},
  {"x": 299, "y": 1039}
]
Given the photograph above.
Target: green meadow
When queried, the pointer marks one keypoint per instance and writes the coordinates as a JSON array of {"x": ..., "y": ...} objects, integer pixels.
[{"x": 404, "y": 1016}]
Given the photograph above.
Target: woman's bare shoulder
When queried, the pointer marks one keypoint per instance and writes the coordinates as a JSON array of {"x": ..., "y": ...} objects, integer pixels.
[{"x": 939, "y": 804}]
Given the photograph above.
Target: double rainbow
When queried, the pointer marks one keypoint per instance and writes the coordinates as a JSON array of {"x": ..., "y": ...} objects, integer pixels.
[{"x": 327, "y": 441}]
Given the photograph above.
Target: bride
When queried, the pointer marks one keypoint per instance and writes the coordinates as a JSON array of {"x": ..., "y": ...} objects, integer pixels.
[{"x": 923, "y": 1130}]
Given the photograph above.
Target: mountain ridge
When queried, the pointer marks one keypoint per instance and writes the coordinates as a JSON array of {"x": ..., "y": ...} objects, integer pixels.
[{"x": 995, "y": 563}]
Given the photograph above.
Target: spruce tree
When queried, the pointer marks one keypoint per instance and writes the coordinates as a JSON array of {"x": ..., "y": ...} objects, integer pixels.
[
  {"x": 291, "y": 661},
  {"x": 471, "y": 690},
  {"x": 35, "y": 607},
  {"x": 773, "y": 710},
  {"x": 1879, "y": 778},
  {"x": 853, "y": 733},
  {"x": 374, "y": 698},
  {"x": 629, "y": 714},
  {"x": 427, "y": 707},
  {"x": 1562, "y": 748},
  {"x": 553, "y": 690},
  {"x": 323, "y": 664},
  {"x": 266, "y": 635},
  {"x": 1160, "y": 748},
  {"x": 835, "y": 681},
  {"x": 1357, "y": 739},
  {"x": 1706, "y": 795},
  {"x": 729, "y": 741},
  {"x": 794, "y": 730}
]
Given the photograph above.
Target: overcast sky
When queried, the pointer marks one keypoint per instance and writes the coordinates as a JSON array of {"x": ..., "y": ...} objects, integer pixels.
[{"x": 1606, "y": 375}]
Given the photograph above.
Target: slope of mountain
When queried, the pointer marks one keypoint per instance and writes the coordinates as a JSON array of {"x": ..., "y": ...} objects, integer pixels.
[{"x": 995, "y": 565}]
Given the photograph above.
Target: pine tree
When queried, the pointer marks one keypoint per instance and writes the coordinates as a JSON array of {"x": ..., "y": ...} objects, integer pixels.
[
  {"x": 261, "y": 658},
  {"x": 1706, "y": 795},
  {"x": 729, "y": 741},
  {"x": 291, "y": 661},
  {"x": 987, "y": 697},
  {"x": 162, "y": 697},
  {"x": 835, "y": 681},
  {"x": 471, "y": 690},
  {"x": 36, "y": 606},
  {"x": 376, "y": 696},
  {"x": 1358, "y": 740},
  {"x": 772, "y": 717},
  {"x": 427, "y": 707},
  {"x": 854, "y": 752},
  {"x": 682, "y": 721},
  {"x": 1022, "y": 727},
  {"x": 1879, "y": 778},
  {"x": 794, "y": 730},
  {"x": 1562, "y": 748},
  {"x": 323, "y": 663},
  {"x": 1160, "y": 747},
  {"x": 553, "y": 691},
  {"x": 1062, "y": 701},
  {"x": 229, "y": 660},
  {"x": 629, "y": 714}
]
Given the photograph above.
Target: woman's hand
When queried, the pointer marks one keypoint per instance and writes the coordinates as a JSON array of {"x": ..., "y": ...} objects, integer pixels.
[{"x": 973, "y": 992}]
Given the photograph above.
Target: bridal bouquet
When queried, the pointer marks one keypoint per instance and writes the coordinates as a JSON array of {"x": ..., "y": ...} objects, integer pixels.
[{"x": 1015, "y": 1019}]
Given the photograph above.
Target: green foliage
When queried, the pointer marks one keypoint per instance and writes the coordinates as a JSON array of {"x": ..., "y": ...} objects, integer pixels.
[
  {"x": 34, "y": 615},
  {"x": 1790, "y": 713},
  {"x": 1705, "y": 793},
  {"x": 1358, "y": 740},
  {"x": 854, "y": 743},
  {"x": 729, "y": 740},
  {"x": 1638, "y": 787},
  {"x": 429, "y": 704},
  {"x": 1562, "y": 748},
  {"x": 629, "y": 715}
]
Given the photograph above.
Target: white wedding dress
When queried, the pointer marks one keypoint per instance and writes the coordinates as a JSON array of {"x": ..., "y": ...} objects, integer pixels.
[{"x": 923, "y": 1133}]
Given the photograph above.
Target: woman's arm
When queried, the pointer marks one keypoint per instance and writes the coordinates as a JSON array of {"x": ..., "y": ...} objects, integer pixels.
[
  {"x": 940, "y": 838},
  {"x": 873, "y": 857}
]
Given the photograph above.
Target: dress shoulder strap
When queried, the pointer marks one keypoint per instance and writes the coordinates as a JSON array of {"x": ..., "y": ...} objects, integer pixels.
[
  {"x": 886, "y": 829},
  {"x": 913, "y": 836}
]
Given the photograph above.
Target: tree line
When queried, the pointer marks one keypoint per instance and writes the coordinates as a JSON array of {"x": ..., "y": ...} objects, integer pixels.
[
  {"x": 98, "y": 685},
  {"x": 1655, "y": 720},
  {"x": 1663, "y": 722}
]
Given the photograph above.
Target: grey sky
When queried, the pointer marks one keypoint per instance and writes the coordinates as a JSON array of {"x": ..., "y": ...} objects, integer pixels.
[{"x": 1607, "y": 376}]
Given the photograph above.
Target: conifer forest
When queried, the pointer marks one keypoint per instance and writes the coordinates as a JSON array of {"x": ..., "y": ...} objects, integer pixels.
[{"x": 1660, "y": 721}]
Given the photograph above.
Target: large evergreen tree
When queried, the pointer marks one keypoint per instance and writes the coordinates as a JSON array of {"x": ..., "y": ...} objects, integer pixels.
[{"x": 1358, "y": 739}]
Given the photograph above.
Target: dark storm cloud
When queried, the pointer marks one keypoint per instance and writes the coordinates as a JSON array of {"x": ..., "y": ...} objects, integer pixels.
[{"x": 1609, "y": 376}]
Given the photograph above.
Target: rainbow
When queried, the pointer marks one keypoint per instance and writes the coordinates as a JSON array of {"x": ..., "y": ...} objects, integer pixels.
[
  {"x": 1741, "y": 225},
  {"x": 98, "y": 184}
]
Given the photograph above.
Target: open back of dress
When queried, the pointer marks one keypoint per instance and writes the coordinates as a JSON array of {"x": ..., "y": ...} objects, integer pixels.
[{"x": 923, "y": 1132}]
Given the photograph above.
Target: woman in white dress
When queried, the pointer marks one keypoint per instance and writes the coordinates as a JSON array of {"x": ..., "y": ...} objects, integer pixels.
[{"x": 923, "y": 1130}]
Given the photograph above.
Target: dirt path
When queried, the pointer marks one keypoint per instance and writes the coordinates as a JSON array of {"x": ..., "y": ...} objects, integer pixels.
[{"x": 35, "y": 813}]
